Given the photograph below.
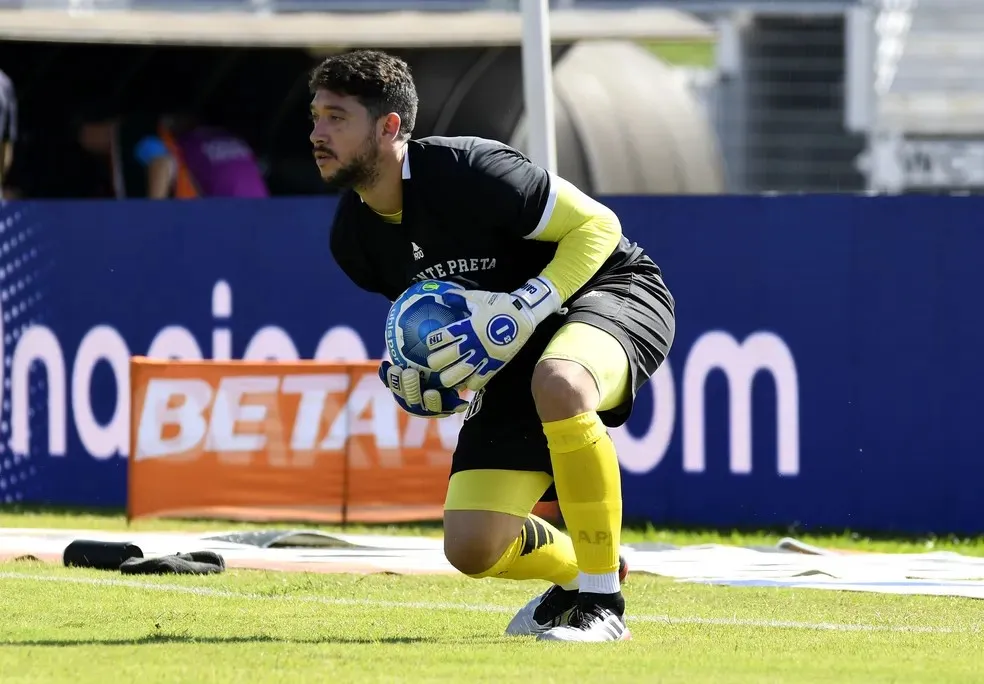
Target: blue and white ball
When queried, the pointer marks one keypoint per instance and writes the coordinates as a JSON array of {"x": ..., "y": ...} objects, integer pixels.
[{"x": 415, "y": 314}]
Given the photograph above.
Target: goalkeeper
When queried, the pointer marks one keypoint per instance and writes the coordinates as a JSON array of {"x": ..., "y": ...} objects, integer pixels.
[{"x": 569, "y": 319}]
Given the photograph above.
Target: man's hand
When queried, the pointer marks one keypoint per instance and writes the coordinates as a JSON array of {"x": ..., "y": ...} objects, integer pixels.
[
  {"x": 404, "y": 383},
  {"x": 470, "y": 351}
]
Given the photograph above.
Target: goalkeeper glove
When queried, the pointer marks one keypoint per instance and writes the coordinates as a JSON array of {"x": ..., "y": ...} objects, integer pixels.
[
  {"x": 470, "y": 351},
  {"x": 404, "y": 383}
]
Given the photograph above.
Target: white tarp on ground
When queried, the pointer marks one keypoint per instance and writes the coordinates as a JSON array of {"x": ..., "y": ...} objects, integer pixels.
[
  {"x": 789, "y": 564},
  {"x": 794, "y": 565}
]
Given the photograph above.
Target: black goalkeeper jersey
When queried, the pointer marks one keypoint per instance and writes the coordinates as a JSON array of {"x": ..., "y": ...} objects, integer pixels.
[{"x": 469, "y": 205}]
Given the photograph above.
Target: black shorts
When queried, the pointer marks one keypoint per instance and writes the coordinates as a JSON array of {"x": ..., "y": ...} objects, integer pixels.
[{"x": 505, "y": 432}]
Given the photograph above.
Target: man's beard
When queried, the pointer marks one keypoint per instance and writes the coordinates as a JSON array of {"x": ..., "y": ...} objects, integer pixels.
[{"x": 361, "y": 172}]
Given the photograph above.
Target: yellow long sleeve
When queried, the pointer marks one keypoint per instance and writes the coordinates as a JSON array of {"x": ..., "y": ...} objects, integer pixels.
[{"x": 586, "y": 233}]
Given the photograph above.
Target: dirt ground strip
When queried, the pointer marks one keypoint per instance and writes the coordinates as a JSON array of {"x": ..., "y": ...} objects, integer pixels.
[
  {"x": 311, "y": 553},
  {"x": 354, "y": 568}
]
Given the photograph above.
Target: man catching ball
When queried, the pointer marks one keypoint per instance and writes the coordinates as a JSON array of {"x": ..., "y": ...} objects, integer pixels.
[{"x": 593, "y": 322}]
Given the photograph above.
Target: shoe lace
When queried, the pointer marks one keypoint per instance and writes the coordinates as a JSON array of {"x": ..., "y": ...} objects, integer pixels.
[
  {"x": 555, "y": 602},
  {"x": 586, "y": 611}
]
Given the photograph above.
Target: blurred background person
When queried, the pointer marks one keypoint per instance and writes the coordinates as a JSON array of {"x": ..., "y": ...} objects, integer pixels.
[
  {"x": 172, "y": 157},
  {"x": 207, "y": 161},
  {"x": 8, "y": 130}
]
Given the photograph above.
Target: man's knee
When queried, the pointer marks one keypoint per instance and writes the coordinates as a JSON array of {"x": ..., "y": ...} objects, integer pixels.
[
  {"x": 474, "y": 541},
  {"x": 472, "y": 555},
  {"x": 563, "y": 389}
]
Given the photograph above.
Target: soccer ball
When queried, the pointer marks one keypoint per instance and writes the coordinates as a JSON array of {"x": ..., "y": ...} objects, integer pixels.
[{"x": 415, "y": 314}]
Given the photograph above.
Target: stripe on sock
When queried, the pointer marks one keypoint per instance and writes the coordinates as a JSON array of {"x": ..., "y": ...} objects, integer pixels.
[{"x": 534, "y": 535}]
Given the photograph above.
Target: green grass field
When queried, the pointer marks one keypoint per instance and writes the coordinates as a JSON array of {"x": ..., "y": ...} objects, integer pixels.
[
  {"x": 683, "y": 53},
  {"x": 111, "y": 519},
  {"x": 83, "y": 626}
]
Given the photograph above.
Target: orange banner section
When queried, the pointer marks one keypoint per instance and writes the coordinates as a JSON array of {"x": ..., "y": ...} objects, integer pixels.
[{"x": 280, "y": 441}]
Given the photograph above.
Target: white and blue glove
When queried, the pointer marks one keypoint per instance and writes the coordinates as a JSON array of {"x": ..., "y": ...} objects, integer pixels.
[
  {"x": 470, "y": 351},
  {"x": 405, "y": 384}
]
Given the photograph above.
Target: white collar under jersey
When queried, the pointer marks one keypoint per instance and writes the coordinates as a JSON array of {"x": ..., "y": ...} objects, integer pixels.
[{"x": 406, "y": 162}]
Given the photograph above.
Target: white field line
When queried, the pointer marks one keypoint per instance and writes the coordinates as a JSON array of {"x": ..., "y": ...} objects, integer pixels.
[{"x": 478, "y": 608}]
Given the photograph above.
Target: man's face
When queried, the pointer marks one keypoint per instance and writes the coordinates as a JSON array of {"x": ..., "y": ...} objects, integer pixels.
[
  {"x": 345, "y": 140},
  {"x": 97, "y": 137}
]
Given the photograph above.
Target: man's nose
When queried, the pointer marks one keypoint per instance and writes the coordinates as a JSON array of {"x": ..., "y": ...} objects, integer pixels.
[{"x": 319, "y": 135}]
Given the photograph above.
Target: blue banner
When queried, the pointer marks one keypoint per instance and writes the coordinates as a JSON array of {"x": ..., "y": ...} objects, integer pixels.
[{"x": 826, "y": 372}]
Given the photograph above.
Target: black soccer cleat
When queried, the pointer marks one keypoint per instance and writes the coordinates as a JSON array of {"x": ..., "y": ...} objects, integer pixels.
[
  {"x": 595, "y": 618},
  {"x": 551, "y": 609}
]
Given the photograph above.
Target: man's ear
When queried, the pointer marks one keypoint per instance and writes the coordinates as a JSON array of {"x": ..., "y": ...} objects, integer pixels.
[{"x": 391, "y": 125}]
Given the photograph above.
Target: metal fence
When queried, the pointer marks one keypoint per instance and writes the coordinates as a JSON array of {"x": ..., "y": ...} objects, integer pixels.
[
  {"x": 805, "y": 95},
  {"x": 779, "y": 102},
  {"x": 927, "y": 103}
]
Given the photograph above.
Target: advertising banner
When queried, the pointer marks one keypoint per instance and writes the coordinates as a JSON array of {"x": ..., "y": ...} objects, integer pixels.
[
  {"x": 826, "y": 373},
  {"x": 302, "y": 440}
]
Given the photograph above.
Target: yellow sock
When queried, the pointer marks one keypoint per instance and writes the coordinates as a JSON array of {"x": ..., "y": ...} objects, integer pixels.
[
  {"x": 589, "y": 489},
  {"x": 541, "y": 551}
]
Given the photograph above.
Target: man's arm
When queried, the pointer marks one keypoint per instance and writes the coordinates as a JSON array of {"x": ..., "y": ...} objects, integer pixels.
[
  {"x": 160, "y": 175},
  {"x": 586, "y": 233},
  {"x": 6, "y": 159},
  {"x": 515, "y": 195},
  {"x": 541, "y": 206},
  {"x": 8, "y": 125},
  {"x": 154, "y": 155}
]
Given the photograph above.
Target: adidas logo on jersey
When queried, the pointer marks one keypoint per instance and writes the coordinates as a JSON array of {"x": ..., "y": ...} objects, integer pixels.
[{"x": 418, "y": 253}]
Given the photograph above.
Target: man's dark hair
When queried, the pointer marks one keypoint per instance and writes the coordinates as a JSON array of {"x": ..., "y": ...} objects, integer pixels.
[{"x": 380, "y": 82}]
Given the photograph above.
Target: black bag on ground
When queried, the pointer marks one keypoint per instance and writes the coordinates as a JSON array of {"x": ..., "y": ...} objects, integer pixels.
[
  {"x": 101, "y": 555},
  {"x": 194, "y": 563}
]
